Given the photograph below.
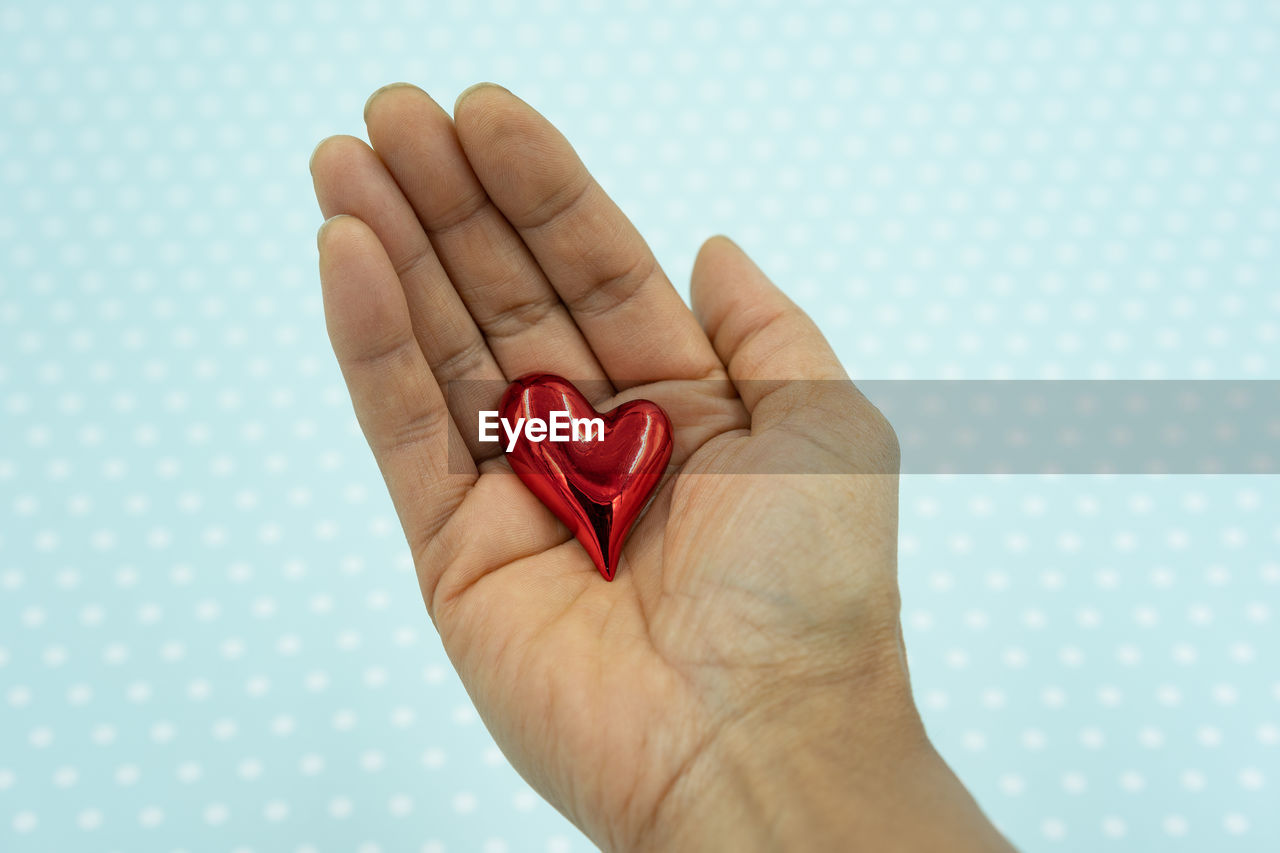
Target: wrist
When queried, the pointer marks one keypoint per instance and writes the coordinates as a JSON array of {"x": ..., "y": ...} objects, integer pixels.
[{"x": 843, "y": 767}]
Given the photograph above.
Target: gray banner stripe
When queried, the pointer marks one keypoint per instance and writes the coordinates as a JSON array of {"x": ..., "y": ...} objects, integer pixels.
[{"x": 1043, "y": 426}]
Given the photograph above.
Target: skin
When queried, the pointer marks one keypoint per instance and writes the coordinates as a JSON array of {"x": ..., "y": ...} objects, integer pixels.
[{"x": 742, "y": 683}]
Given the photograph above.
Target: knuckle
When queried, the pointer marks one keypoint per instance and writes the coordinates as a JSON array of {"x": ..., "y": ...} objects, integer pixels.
[
  {"x": 554, "y": 206},
  {"x": 409, "y": 266},
  {"x": 612, "y": 292},
  {"x": 460, "y": 213},
  {"x": 519, "y": 315}
]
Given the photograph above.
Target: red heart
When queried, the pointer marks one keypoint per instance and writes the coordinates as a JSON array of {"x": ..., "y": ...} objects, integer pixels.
[{"x": 596, "y": 487}]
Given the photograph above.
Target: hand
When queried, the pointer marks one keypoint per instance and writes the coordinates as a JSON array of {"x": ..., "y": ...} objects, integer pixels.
[{"x": 741, "y": 683}]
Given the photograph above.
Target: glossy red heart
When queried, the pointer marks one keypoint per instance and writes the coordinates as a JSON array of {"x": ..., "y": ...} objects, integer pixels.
[{"x": 596, "y": 487}]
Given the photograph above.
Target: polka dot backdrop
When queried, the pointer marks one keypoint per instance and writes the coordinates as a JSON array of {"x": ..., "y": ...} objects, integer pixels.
[{"x": 210, "y": 634}]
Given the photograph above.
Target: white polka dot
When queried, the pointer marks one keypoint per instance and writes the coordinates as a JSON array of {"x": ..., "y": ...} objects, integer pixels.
[
  {"x": 1236, "y": 823},
  {"x": 1175, "y": 826},
  {"x": 400, "y": 805},
  {"x": 340, "y": 807}
]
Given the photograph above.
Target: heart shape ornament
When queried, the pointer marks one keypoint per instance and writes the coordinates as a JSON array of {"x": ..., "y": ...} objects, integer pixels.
[{"x": 597, "y": 481}]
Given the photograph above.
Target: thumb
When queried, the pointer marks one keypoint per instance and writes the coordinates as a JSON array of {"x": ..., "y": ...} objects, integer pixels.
[{"x": 779, "y": 361}]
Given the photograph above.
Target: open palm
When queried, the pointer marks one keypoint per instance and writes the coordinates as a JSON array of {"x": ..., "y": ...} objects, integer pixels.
[{"x": 480, "y": 248}]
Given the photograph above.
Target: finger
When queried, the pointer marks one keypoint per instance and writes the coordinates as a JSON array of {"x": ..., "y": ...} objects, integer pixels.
[
  {"x": 761, "y": 336},
  {"x": 527, "y": 327},
  {"x": 396, "y": 399},
  {"x": 349, "y": 178},
  {"x": 783, "y": 367},
  {"x": 640, "y": 329}
]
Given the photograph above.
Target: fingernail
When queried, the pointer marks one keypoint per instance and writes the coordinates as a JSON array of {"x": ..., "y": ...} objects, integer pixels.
[
  {"x": 474, "y": 87},
  {"x": 311, "y": 161},
  {"x": 324, "y": 225},
  {"x": 377, "y": 92}
]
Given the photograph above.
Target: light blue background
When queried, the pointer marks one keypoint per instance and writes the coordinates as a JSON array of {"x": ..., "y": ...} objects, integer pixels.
[{"x": 210, "y": 635}]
